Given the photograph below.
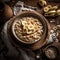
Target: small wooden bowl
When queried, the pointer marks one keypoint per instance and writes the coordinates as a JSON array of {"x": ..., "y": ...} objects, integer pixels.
[{"x": 56, "y": 47}]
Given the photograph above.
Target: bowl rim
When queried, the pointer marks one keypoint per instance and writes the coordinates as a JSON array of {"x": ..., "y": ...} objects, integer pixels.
[
  {"x": 28, "y": 12},
  {"x": 54, "y": 47}
]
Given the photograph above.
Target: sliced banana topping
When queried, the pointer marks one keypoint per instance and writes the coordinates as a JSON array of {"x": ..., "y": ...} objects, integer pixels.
[
  {"x": 42, "y": 3},
  {"x": 58, "y": 12}
]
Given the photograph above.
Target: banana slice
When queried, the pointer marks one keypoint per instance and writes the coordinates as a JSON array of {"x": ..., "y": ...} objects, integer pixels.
[
  {"x": 49, "y": 6},
  {"x": 46, "y": 9},
  {"x": 54, "y": 7},
  {"x": 24, "y": 23},
  {"x": 58, "y": 12},
  {"x": 42, "y": 3}
]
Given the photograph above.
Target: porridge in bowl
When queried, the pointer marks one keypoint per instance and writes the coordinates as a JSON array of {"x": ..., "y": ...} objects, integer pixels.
[{"x": 28, "y": 29}]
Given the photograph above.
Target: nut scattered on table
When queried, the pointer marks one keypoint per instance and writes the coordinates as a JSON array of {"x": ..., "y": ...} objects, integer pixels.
[{"x": 42, "y": 3}]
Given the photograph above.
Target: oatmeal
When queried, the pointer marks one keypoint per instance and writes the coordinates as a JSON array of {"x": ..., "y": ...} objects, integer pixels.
[{"x": 28, "y": 29}]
